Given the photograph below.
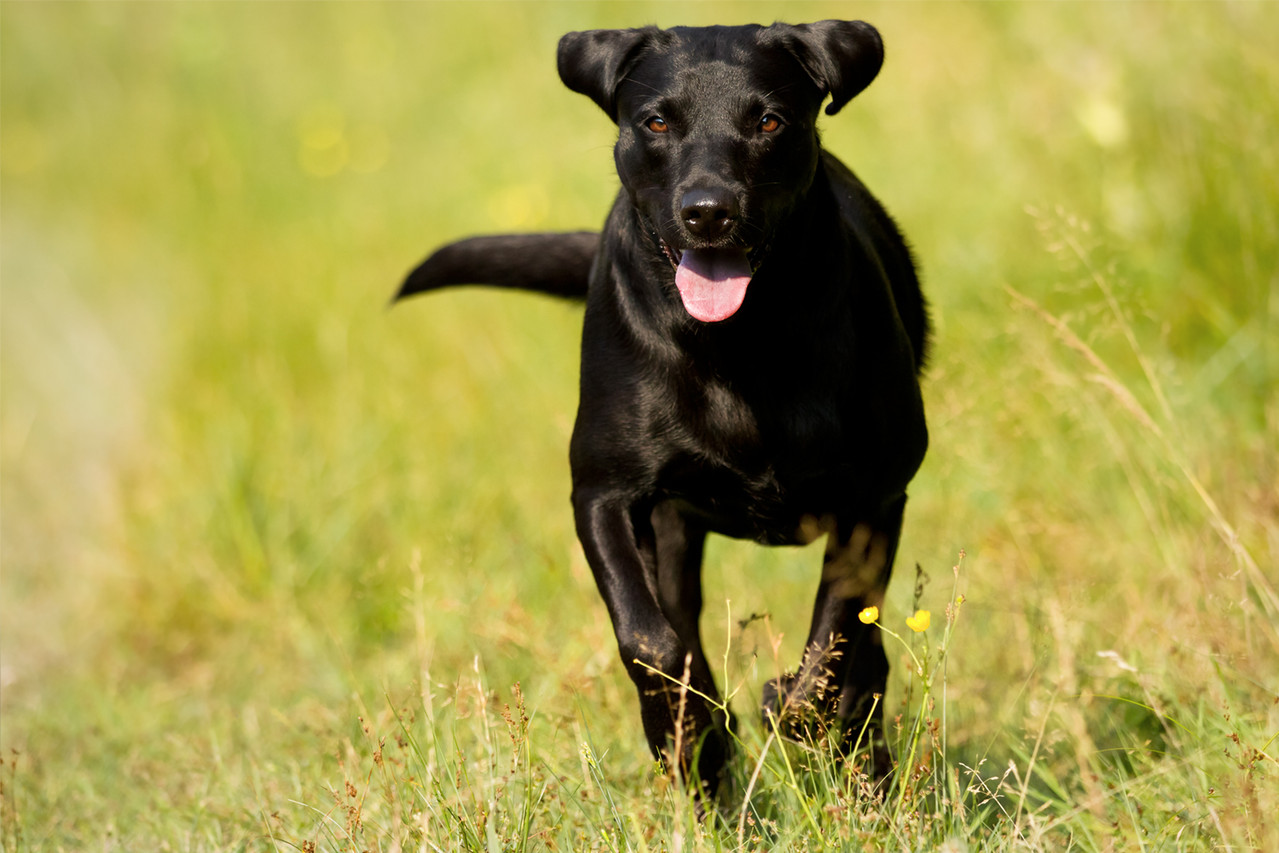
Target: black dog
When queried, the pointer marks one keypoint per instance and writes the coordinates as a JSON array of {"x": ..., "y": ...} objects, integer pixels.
[{"x": 753, "y": 339}]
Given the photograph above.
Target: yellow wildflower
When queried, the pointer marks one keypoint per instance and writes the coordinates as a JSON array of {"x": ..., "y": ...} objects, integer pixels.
[
  {"x": 869, "y": 615},
  {"x": 920, "y": 621}
]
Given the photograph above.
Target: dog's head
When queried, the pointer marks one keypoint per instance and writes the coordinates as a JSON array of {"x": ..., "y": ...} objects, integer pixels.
[{"x": 717, "y": 133}]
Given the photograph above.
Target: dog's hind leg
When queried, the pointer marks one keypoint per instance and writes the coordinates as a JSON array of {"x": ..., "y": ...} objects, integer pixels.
[
  {"x": 844, "y": 672},
  {"x": 677, "y": 556}
]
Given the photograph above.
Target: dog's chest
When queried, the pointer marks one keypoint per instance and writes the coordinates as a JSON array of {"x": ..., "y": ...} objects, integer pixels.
[{"x": 756, "y": 471}]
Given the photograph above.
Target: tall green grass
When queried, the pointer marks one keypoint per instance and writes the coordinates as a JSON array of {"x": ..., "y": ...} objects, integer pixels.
[{"x": 282, "y": 569}]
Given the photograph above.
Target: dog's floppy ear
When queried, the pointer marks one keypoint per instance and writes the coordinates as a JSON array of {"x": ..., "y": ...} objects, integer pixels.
[
  {"x": 595, "y": 62},
  {"x": 842, "y": 57}
]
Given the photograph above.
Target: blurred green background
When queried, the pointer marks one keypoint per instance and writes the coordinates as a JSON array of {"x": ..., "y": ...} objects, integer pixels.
[{"x": 242, "y": 500}]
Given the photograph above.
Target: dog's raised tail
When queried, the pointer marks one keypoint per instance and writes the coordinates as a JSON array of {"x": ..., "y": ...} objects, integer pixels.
[{"x": 554, "y": 263}]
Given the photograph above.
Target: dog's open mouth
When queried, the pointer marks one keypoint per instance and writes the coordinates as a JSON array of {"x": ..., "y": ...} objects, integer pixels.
[{"x": 712, "y": 282}]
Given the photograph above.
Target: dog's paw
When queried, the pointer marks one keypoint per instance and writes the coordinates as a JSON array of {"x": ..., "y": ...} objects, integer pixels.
[
  {"x": 805, "y": 711},
  {"x": 796, "y": 707}
]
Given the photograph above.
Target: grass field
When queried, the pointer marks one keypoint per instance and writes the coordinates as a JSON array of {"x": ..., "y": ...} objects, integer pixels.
[{"x": 286, "y": 570}]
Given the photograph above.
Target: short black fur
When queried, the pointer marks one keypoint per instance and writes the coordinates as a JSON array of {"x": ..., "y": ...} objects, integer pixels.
[{"x": 794, "y": 416}]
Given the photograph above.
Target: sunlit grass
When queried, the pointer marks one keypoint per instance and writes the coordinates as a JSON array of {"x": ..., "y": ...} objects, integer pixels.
[{"x": 267, "y": 543}]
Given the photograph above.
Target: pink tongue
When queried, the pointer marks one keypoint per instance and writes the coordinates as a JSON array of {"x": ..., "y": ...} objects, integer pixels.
[{"x": 712, "y": 282}]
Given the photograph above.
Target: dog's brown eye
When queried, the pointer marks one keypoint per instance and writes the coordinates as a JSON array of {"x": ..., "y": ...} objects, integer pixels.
[
  {"x": 657, "y": 124},
  {"x": 770, "y": 124}
]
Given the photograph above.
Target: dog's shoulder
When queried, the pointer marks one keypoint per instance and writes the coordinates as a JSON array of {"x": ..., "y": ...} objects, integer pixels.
[{"x": 863, "y": 214}]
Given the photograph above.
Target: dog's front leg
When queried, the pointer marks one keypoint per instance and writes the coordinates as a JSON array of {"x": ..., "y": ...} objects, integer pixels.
[
  {"x": 673, "y": 682},
  {"x": 844, "y": 672}
]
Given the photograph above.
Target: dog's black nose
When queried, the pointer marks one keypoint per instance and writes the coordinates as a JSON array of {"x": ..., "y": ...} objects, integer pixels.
[{"x": 709, "y": 214}]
